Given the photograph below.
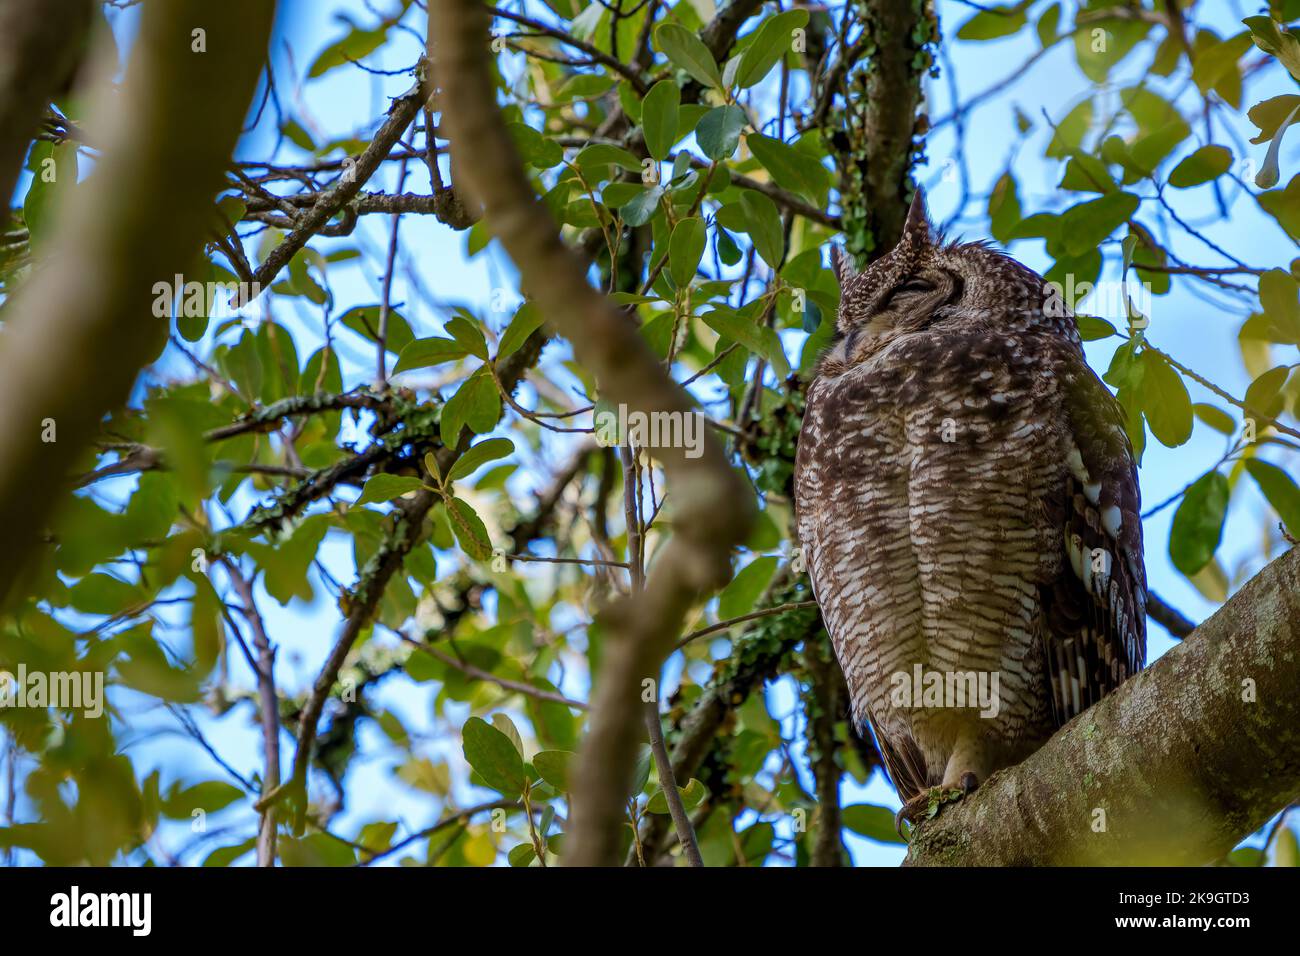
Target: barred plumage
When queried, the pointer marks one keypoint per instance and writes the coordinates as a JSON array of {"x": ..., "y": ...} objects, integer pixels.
[{"x": 968, "y": 502}]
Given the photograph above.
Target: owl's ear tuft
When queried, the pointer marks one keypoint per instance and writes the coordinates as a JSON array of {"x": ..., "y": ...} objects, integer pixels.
[
  {"x": 917, "y": 229},
  {"x": 842, "y": 265}
]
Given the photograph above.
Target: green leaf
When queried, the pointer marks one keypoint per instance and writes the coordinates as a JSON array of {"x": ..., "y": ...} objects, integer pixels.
[
  {"x": 993, "y": 22},
  {"x": 1085, "y": 226},
  {"x": 1286, "y": 851},
  {"x": 1004, "y": 208},
  {"x": 1272, "y": 38},
  {"x": 728, "y": 251},
  {"x": 553, "y": 765},
  {"x": 763, "y": 223},
  {"x": 584, "y": 86},
  {"x": 534, "y": 148},
  {"x": 1246, "y": 856},
  {"x": 1148, "y": 252},
  {"x": 719, "y": 131},
  {"x": 642, "y": 207},
  {"x": 211, "y": 796},
  {"x": 1207, "y": 163},
  {"x": 471, "y": 533},
  {"x": 479, "y": 455},
  {"x": 378, "y": 836},
  {"x": 641, "y": 775},
  {"x": 422, "y": 353},
  {"x": 1198, "y": 523},
  {"x": 1088, "y": 174},
  {"x": 100, "y": 593},
  {"x": 771, "y": 41},
  {"x": 688, "y": 51},
  {"x": 1279, "y": 296},
  {"x": 468, "y": 336},
  {"x": 507, "y": 726},
  {"x": 1104, "y": 42},
  {"x": 692, "y": 795},
  {"x": 1216, "y": 418},
  {"x": 792, "y": 168},
  {"x": 316, "y": 850},
  {"x": 294, "y": 132},
  {"x": 1212, "y": 582},
  {"x": 54, "y": 170},
  {"x": 226, "y": 855},
  {"x": 525, "y": 323},
  {"x": 686, "y": 249},
  {"x": 1264, "y": 396},
  {"x": 1271, "y": 114},
  {"x": 1165, "y": 402},
  {"x": 477, "y": 403},
  {"x": 1048, "y": 28},
  {"x": 1280, "y": 490},
  {"x": 659, "y": 112},
  {"x": 599, "y": 156},
  {"x": 521, "y": 855},
  {"x": 875, "y": 823},
  {"x": 285, "y": 565},
  {"x": 1041, "y": 225},
  {"x": 356, "y": 45},
  {"x": 740, "y": 327},
  {"x": 493, "y": 757},
  {"x": 1284, "y": 206},
  {"x": 1070, "y": 131},
  {"x": 387, "y": 487},
  {"x": 742, "y": 594},
  {"x": 1092, "y": 327}
]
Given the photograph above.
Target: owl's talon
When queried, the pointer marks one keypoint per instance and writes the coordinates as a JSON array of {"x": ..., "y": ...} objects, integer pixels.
[{"x": 926, "y": 804}]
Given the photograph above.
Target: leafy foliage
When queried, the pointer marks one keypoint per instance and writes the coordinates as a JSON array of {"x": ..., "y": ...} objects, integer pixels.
[{"x": 450, "y": 506}]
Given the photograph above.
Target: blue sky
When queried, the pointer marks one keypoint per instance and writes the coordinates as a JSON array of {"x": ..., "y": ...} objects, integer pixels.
[{"x": 437, "y": 273}]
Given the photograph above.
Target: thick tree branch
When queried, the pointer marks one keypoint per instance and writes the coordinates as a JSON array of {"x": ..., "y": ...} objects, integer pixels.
[
  {"x": 713, "y": 508},
  {"x": 825, "y": 702},
  {"x": 874, "y": 151},
  {"x": 84, "y": 316},
  {"x": 39, "y": 48},
  {"x": 1175, "y": 767}
]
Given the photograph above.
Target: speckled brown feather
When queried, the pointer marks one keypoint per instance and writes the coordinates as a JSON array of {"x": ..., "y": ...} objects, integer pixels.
[{"x": 954, "y": 447}]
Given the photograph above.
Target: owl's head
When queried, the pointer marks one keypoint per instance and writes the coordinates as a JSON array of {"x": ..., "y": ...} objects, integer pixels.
[{"x": 925, "y": 284}]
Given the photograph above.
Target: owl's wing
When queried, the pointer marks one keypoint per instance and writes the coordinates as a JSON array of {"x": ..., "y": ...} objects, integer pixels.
[
  {"x": 1094, "y": 611},
  {"x": 904, "y": 763}
]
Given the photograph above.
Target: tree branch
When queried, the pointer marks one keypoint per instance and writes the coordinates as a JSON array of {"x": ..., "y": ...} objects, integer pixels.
[
  {"x": 713, "y": 507},
  {"x": 84, "y": 315},
  {"x": 268, "y": 707},
  {"x": 39, "y": 47}
]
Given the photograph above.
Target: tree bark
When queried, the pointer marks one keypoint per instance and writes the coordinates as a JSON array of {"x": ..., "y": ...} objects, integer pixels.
[
  {"x": 879, "y": 140},
  {"x": 1174, "y": 768}
]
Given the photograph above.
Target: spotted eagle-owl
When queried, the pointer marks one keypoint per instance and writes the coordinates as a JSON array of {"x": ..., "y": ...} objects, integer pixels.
[{"x": 968, "y": 504}]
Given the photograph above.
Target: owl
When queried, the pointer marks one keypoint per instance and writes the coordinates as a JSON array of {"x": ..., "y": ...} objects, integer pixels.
[{"x": 968, "y": 505}]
